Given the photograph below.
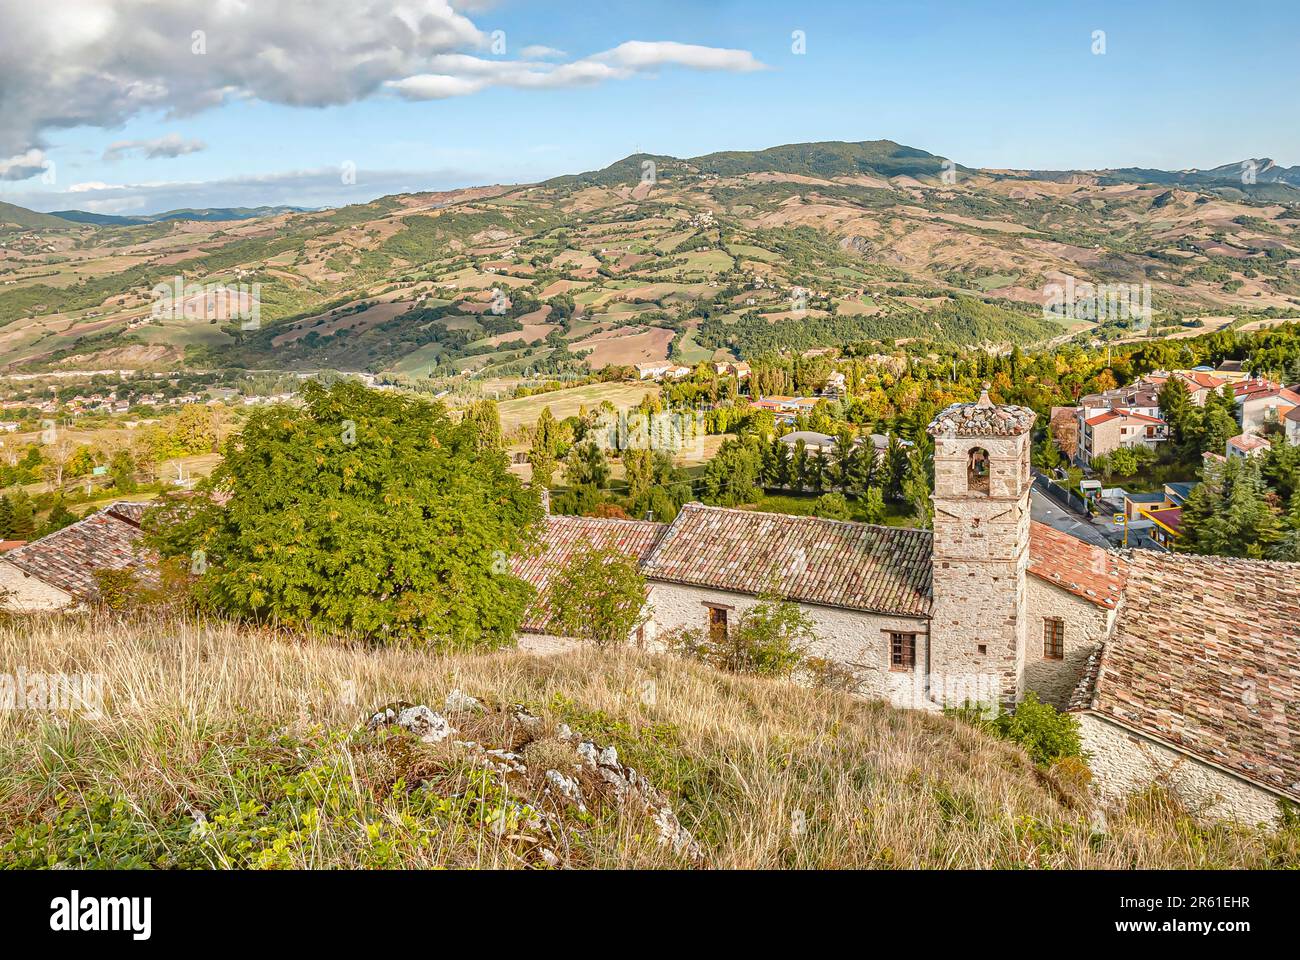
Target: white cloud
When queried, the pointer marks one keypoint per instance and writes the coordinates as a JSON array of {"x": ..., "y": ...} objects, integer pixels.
[
  {"x": 625, "y": 60},
  {"x": 23, "y": 166},
  {"x": 169, "y": 146},
  {"x": 538, "y": 51},
  {"x": 101, "y": 63},
  {"x": 642, "y": 54}
]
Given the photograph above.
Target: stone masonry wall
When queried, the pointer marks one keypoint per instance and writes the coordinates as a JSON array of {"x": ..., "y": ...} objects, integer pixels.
[
  {"x": 1124, "y": 762},
  {"x": 28, "y": 594},
  {"x": 855, "y": 639},
  {"x": 1086, "y": 626}
]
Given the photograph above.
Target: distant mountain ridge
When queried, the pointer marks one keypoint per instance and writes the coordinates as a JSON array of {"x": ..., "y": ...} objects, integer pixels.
[
  {"x": 825, "y": 159},
  {"x": 209, "y": 214}
]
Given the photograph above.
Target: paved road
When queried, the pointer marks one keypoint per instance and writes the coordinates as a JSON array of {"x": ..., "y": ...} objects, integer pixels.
[{"x": 1046, "y": 510}]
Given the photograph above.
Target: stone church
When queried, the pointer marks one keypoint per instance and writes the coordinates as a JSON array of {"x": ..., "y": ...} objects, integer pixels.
[{"x": 1182, "y": 670}]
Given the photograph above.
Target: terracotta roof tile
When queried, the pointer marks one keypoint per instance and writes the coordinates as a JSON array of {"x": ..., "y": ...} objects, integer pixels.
[
  {"x": 858, "y": 566},
  {"x": 69, "y": 558},
  {"x": 1089, "y": 572},
  {"x": 1205, "y": 656},
  {"x": 982, "y": 419},
  {"x": 560, "y": 539}
]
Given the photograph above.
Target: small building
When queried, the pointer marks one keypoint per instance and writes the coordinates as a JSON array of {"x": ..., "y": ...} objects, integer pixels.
[
  {"x": 59, "y": 570},
  {"x": 1246, "y": 445},
  {"x": 1232, "y": 371},
  {"x": 1166, "y": 525},
  {"x": 1195, "y": 689},
  {"x": 814, "y": 442},
  {"x": 836, "y": 386},
  {"x": 1109, "y": 431}
]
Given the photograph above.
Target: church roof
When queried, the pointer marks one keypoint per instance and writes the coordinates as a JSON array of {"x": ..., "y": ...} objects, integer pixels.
[
  {"x": 983, "y": 418},
  {"x": 858, "y": 566},
  {"x": 70, "y": 558},
  {"x": 1088, "y": 572},
  {"x": 1205, "y": 657},
  {"x": 561, "y": 539},
  {"x": 836, "y": 563}
]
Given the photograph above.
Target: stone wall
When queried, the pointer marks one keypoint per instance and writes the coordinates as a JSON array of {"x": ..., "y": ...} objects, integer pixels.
[
  {"x": 28, "y": 594},
  {"x": 1086, "y": 626},
  {"x": 1124, "y": 762},
  {"x": 858, "y": 640},
  {"x": 546, "y": 643}
]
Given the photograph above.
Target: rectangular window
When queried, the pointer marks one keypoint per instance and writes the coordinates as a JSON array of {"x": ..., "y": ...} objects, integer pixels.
[
  {"x": 902, "y": 651},
  {"x": 718, "y": 624},
  {"x": 1053, "y": 638}
]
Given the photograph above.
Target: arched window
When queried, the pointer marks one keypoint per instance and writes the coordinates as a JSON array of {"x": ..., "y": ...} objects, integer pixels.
[{"x": 977, "y": 470}]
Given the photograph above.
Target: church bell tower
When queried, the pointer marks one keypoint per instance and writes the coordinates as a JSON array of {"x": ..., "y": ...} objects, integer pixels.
[{"x": 981, "y": 551}]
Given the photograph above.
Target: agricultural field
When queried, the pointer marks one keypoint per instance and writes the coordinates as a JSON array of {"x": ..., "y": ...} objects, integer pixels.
[{"x": 524, "y": 411}]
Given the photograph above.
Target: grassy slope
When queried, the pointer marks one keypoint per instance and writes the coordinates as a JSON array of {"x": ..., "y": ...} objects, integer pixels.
[{"x": 257, "y": 739}]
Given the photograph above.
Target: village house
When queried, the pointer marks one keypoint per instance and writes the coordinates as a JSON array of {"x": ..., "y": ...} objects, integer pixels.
[
  {"x": 661, "y": 370},
  {"x": 1291, "y": 426},
  {"x": 1245, "y": 445},
  {"x": 1141, "y": 397},
  {"x": 1199, "y": 381},
  {"x": 1261, "y": 403},
  {"x": 786, "y": 409},
  {"x": 59, "y": 570},
  {"x": 1109, "y": 431}
]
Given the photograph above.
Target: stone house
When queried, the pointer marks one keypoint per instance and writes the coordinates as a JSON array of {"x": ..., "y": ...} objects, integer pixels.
[
  {"x": 59, "y": 569},
  {"x": 1109, "y": 431},
  {"x": 1198, "y": 685}
]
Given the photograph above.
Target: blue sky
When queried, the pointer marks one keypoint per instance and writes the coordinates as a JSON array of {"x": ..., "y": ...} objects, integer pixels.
[{"x": 987, "y": 84}]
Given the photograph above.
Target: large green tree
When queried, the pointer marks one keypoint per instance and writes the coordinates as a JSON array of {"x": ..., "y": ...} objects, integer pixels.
[{"x": 364, "y": 513}]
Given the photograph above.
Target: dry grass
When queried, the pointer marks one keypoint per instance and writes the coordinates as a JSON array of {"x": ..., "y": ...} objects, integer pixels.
[{"x": 764, "y": 773}]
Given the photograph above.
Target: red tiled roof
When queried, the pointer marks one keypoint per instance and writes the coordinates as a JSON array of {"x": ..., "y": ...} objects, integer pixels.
[
  {"x": 1205, "y": 657},
  {"x": 562, "y": 536},
  {"x": 857, "y": 566},
  {"x": 1116, "y": 414},
  {"x": 1263, "y": 390},
  {"x": 1089, "y": 572},
  {"x": 1248, "y": 441},
  {"x": 68, "y": 558}
]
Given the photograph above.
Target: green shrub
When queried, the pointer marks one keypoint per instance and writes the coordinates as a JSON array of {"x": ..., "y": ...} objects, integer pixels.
[{"x": 1047, "y": 734}]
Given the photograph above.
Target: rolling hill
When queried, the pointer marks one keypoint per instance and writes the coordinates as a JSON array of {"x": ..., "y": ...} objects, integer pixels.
[{"x": 727, "y": 255}]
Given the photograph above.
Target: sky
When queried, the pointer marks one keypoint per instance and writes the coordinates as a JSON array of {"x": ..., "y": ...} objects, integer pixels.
[{"x": 141, "y": 106}]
